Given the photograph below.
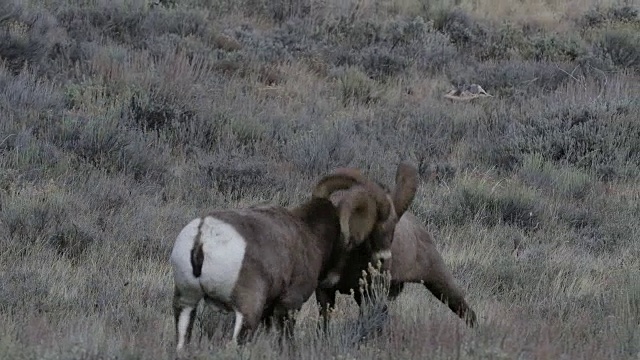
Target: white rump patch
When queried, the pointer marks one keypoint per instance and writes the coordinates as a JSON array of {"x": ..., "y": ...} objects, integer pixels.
[
  {"x": 224, "y": 250},
  {"x": 382, "y": 255}
]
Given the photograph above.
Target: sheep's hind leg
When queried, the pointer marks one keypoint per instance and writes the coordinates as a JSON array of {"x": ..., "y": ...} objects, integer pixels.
[
  {"x": 184, "y": 312},
  {"x": 249, "y": 311},
  {"x": 237, "y": 328},
  {"x": 451, "y": 295},
  {"x": 243, "y": 329},
  {"x": 441, "y": 283}
]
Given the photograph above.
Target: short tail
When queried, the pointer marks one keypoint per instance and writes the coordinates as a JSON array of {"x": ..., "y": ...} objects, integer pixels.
[
  {"x": 197, "y": 254},
  {"x": 197, "y": 258}
]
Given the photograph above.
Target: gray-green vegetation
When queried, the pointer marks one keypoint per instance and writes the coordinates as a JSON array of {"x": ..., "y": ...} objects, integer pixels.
[{"x": 121, "y": 120}]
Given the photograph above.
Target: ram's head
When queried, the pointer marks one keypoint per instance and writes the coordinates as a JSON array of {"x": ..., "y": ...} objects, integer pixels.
[{"x": 368, "y": 212}]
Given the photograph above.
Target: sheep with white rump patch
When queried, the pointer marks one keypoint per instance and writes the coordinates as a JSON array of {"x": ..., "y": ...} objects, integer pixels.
[{"x": 262, "y": 262}]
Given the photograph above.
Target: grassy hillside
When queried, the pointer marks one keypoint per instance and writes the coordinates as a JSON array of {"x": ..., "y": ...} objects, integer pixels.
[{"x": 121, "y": 120}]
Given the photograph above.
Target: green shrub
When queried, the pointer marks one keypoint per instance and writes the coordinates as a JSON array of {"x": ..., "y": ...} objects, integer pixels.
[
  {"x": 28, "y": 38},
  {"x": 117, "y": 21},
  {"x": 599, "y": 16},
  {"x": 462, "y": 29},
  {"x": 508, "y": 41},
  {"x": 180, "y": 21},
  {"x": 592, "y": 138},
  {"x": 356, "y": 86},
  {"x": 70, "y": 241},
  {"x": 240, "y": 180},
  {"x": 278, "y": 10},
  {"x": 620, "y": 47},
  {"x": 555, "y": 48},
  {"x": 388, "y": 48}
]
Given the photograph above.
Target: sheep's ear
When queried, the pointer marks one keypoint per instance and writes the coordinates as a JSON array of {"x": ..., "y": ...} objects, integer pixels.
[
  {"x": 406, "y": 186},
  {"x": 358, "y": 216}
]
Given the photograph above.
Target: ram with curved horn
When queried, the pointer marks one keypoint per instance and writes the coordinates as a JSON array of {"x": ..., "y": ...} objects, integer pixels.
[
  {"x": 400, "y": 239},
  {"x": 264, "y": 261},
  {"x": 358, "y": 230},
  {"x": 377, "y": 244}
]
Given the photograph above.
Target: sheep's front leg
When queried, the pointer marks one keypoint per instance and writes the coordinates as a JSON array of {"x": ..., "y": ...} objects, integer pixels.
[
  {"x": 326, "y": 299},
  {"x": 286, "y": 325},
  {"x": 289, "y": 324},
  {"x": 395, "y": 289},
  {"x": 267, "y": 318}
]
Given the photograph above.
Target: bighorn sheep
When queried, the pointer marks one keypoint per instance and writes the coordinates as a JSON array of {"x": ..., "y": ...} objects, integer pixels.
[
  {"x": 375, "y": 238},
  {"x": 415, "y": 256},
  {"x": 264, "y": 261}
]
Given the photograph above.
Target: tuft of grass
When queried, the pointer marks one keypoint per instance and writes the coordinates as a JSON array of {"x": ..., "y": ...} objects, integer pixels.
[
  {"x": 476, "y": 200},
  {"x": 33, "y": 215},
  {"x": 323, "y": 147},
  {"x": 374, "y": 313},
  {"x": 568, "y": 182}
]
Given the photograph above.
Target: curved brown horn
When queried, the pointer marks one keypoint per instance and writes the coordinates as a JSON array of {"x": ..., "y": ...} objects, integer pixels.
[
  {"x": 345, "y": 178},
  {"x": 406, "y": 186},
  {"x": 340, "y": 179},
  {"x": 358, "y": 215}
]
